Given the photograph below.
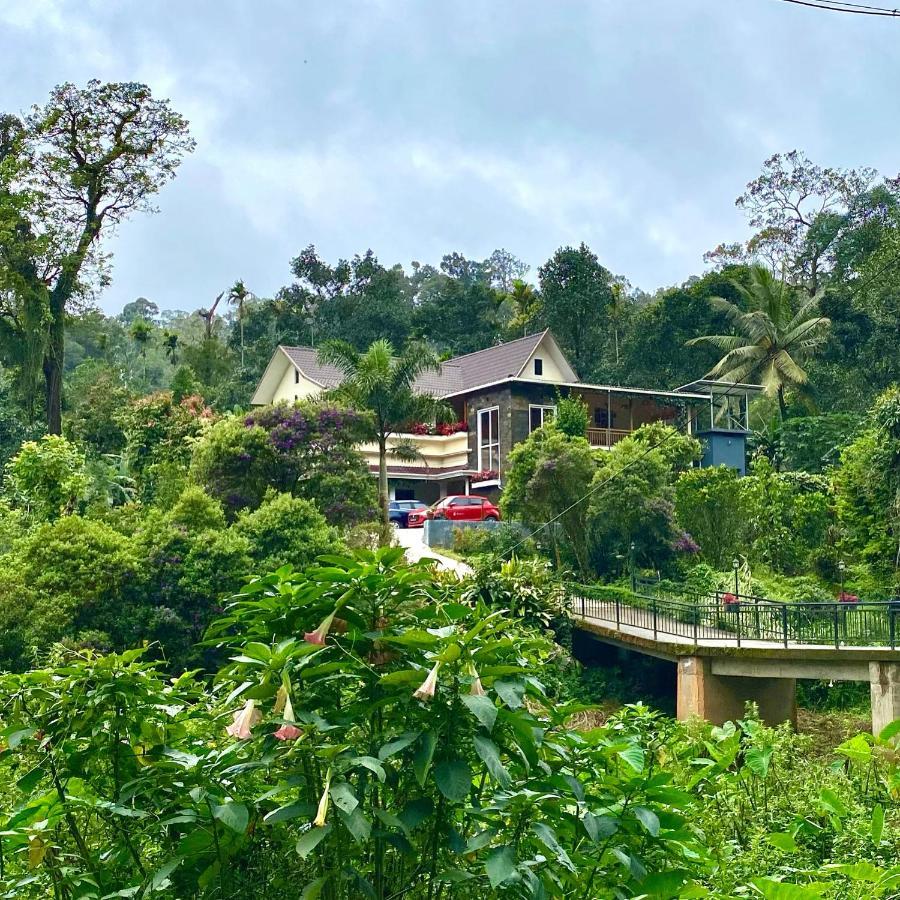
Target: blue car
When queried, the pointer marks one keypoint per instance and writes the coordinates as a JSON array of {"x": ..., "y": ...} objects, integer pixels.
[{"x": 399, "y": 510}]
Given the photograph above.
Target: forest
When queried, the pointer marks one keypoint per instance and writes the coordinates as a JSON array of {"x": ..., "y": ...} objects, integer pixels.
[{"x": 219, "y": 678}]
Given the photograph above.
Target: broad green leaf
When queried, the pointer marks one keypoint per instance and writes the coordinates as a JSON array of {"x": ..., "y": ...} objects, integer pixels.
[
  {"x": 758, "y": 760},
  {"x": 370, "y": 763},
  {"x": 889, "y": 731},
  {"x": 490, "y": 756},
  {"x": 234, "y": 815},
  {"x": 423, "y": 756},
  {"x": 860, "y": 871},
  {"x": 482, "y": 839},
  {"x": 500, "y": 864},
  {"x": 482, "y": 708},
  {"x": 453, "y": 778},
  {"x": 783, "y": 841},
  {"x": 547, "y": 837},
  {"x": 634, "y": 756},
  {"x": 780, "y": 890},
  {"x": 416, "y": 812},
  {"x": 311, "y": 839},
  {"x": 665, "y": 884},
  {"x": 397, "y": 744},
  {"x": 511, "y": 693},
  {"x": 289, "y": 811},
  {"x": 313, "y": 890},
  {"x": 357, "y": 824},
  {"x": 343, "y": 796},
  {"x": 648, "y": 819},
  {"x": 160, "y": 879},
  {"x": 877, "y": 823},
  {"x": 832, "y": 803}
]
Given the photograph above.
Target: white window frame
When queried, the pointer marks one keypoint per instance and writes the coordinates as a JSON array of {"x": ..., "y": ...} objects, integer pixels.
[
  {"x": 543, "y": 407},
  {"x": 494, "y": 439}
]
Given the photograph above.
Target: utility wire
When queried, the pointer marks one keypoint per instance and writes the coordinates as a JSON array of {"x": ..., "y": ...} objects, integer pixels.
[{"x": 856, "y": 9}]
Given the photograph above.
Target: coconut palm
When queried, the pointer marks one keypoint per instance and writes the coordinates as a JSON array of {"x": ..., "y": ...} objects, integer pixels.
[
  {"x": 238, "y": 296},
  {"x": 773, "y": 339},
  {"x": 141, "y": 332},
  {"x": 383, "y": 384}
]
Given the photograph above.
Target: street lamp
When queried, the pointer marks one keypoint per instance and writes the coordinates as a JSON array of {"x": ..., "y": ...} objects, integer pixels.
[
  {"x": 841, "y": 568},
  {"x": 736, "y": 564},
  {"x": 631, "y": 565}
]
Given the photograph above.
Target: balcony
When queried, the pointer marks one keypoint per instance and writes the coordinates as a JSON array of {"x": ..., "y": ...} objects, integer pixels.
[
  {"x": 436, "y": 453},
  {"x": 606, "y": 437}
]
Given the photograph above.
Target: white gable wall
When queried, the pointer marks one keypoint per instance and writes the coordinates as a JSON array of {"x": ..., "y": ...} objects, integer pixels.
[
  {"x": 290, "y": 389},
  {"x": 555, "y": 369}
]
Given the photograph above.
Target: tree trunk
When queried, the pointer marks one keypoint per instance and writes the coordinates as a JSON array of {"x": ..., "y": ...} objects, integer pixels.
[
  {"x": 53, "y": 364},
  {"x": 383, "y": 490},
  {"x": 782, "y": 406}
]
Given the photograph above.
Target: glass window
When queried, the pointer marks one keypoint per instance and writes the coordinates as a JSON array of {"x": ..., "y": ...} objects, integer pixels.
[
  {"x": 489, "y": 439},
  {"x": 538, "y": 415},
  {"x": 296, "y": 376},
  {"x": 538, "y": 366}
]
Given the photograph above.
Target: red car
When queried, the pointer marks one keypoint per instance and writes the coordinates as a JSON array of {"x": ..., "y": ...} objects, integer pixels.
[{"x": 458, "y": 508}]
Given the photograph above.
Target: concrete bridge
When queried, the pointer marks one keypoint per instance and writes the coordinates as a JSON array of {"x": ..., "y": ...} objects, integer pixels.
[{"x": 729, "y": 649}]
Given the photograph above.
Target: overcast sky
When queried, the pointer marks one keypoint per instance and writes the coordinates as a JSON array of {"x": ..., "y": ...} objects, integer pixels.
[{"x": 418, "y": 127}]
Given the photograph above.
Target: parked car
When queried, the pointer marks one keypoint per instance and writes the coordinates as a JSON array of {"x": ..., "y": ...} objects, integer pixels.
[
  {"x": 399, "y": 511},
  {"x": 457, "y": 508}
]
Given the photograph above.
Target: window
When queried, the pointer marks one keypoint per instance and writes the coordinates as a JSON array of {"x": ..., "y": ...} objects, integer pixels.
[
  {"x": 296, "y": 376},
  {"x": 489, "y": 439},
  {"x": 538, "y": 366},
  {"x": 539, "y": 415}
]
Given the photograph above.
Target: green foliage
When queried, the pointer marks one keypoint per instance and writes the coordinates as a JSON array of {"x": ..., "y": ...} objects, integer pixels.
[
  {"x": 62, "y": 579},
  {"x": 286, "y": 530},
  {"x": 814, "y": 443},
  {"x": 47, "y": 477},
  {"x": 867, "y": 486},
  {"x": 546, "y": 477},
  {"x": 159, "y": 434},
  {"x": 789, "y": 515},
  {"x": 235, "y": 463},
  {"x": 709, "y": 504},
  {"x": 572, "y": 416},
  {"x": 632, "y": 500},
  {"x": 97, "y": 397}
]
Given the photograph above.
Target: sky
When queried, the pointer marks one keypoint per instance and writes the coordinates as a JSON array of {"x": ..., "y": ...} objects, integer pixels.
[{"x": 421, "y": 127}]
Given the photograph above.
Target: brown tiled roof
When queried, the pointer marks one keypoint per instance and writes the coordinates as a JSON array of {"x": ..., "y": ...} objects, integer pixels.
[{"x": 462, "y": 373}]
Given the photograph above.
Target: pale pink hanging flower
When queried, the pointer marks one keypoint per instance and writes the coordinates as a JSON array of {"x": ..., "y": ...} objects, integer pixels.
[
  {"x": 477, "y": 689},
  {"x": 427, "y": 688},
  {"x": 318, "y": 636},
  {"x": 288, "y": 731},
  {"x": 244, "y": 720},
  {"x": 319, "y": 820}
]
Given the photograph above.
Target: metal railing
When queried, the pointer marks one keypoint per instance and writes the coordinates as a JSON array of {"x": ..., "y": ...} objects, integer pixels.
[{"x": 730, "y": 619}]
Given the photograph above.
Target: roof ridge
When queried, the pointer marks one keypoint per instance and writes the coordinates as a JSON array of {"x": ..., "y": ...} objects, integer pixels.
[{"x": 502, "y": 344}]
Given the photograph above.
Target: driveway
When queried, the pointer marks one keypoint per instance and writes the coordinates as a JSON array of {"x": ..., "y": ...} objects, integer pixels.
[{"x": 413, "y": 539}]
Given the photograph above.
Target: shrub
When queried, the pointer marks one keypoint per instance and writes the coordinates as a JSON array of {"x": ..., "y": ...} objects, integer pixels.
[
  {"x": 709, "y": 504},
  {"x": 72, "y": 575},
  {"x": 286, "y": 530},
  {"x": 97, "y": 396},
  {"x": 814, "y": 443},
  {"x": 235, "y": 463},
  {"x": 572, "y": 415},
  {"x": 47, "y": 477}
]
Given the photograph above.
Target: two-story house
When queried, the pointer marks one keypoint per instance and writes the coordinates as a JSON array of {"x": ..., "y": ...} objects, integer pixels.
[{"x": 500, "y": 395}]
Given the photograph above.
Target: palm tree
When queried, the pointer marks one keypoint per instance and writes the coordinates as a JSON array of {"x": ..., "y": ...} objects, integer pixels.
[
  {"x": 773, "y": 339},
  {"x": 141, "y": 333},
  {"x": 170, "y": 346},
  {"x": 238, "y": 296},
  {"x": 383, "y": 384}
]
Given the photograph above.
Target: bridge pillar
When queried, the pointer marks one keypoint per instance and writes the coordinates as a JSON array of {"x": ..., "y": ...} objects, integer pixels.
[
  {"x": 884, "y": 689},
  {"x": 720, "y": 698}
]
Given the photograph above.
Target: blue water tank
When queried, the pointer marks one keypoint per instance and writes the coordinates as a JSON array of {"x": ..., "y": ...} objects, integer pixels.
[{"x": 724, "y": 448}]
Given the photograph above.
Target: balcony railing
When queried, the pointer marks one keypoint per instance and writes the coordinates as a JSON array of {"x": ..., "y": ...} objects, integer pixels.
[{"x": 605, "y": 437}]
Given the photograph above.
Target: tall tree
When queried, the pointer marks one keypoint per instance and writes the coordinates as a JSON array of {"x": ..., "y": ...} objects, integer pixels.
[
  {"x": 773, "y": 339},
  {"x": 797, "y": 208},
  {"x": 87, "y": 159},
  {"x": 381, "y": 383},
  {"x": 238, "y": 296},
  {"x": 577, "y": 292}
]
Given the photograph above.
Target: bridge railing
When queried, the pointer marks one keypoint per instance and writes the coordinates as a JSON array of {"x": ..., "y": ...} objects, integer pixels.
[{"x": 740, "y": 619}]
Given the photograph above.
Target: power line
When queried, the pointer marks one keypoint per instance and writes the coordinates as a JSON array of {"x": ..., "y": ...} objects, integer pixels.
[{"x": 856, "y": 9}]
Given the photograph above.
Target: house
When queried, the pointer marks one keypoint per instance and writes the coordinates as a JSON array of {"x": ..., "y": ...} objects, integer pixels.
[{"x": 500, "y": 395}]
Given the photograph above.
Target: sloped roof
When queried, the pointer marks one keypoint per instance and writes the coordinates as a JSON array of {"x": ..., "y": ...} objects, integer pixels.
[{"x": 462, "y": 373}]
